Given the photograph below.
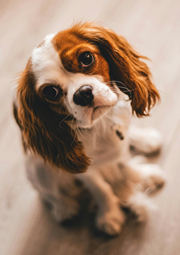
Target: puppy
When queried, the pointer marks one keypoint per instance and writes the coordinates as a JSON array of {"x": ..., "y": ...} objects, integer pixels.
[{"x": 74, "y": 103}]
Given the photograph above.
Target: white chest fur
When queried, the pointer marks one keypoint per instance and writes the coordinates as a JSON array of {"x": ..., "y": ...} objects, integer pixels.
[{"x": 101, "y": 142}]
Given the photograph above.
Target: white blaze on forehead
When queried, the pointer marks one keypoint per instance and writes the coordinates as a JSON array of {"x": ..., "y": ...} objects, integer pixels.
[{"x": 46, "y": 64}]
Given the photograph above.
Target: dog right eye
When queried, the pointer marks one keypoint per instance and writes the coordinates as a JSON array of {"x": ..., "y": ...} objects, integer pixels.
[
  {"x": 86, "y": 59},
  {"x": 51, "y": 92}
]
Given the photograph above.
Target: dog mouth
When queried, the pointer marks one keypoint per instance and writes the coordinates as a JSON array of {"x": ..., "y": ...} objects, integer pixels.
[
  {"x": 99, "y": 111},
  {"x": 91, "y": 115},
  {"x": 94, "y": 114}
]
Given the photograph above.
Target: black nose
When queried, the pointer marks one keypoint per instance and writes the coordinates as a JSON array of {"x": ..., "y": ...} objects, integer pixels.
[{"x": 83, "y": 96}]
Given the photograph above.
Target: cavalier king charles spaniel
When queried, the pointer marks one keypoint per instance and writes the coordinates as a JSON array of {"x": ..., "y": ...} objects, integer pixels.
[{"x": 73, "y": 105}]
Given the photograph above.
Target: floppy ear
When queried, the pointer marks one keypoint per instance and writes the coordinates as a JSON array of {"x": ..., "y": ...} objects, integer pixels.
[
  {"x": 41, "y": 131},
  {"x": 127, "y": 69}
]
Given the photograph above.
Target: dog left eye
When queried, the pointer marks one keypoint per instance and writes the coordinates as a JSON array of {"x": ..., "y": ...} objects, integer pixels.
[
  {"x": 86, "y": 59},
  {"x": 51, "y": 92}
]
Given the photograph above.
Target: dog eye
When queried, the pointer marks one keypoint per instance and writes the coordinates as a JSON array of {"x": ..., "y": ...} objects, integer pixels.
[
  {"x": 86, "y": 59},
  {"x": 51, "y": 92}
]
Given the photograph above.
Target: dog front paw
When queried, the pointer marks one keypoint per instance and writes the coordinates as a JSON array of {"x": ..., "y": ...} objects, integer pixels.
[
  {"x": 141, "y": 206},
  {"x": 111, "y": 222},
  {"x": 152, "y": 140},
  {"x": 146, "y": 140},
  {"x": 153, "y": 178}
]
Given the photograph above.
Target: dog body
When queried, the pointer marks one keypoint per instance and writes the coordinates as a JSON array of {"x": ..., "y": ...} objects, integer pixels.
[{"x": 73, "y": 110}]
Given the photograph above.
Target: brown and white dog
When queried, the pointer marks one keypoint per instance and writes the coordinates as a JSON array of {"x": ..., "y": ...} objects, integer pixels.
[{"x": 74, "y": 104}]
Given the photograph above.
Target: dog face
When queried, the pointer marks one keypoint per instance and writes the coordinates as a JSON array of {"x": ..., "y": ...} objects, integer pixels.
[
  {"x": 72, "y": 73},
  {"x": 76, "y": 75}
]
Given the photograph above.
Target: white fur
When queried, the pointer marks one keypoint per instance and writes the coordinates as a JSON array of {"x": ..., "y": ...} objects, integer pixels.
[
  {"x": 101, "y": 144},
  {"x": 151, "y": 139}
]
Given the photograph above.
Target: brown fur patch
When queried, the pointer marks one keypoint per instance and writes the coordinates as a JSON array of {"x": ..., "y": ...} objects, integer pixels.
[
  {"x": 70, "y": 46},
  {"x": 41, "y": 129}
]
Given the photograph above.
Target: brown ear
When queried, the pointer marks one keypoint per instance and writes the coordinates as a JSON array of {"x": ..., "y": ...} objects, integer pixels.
[
  {"x": 130, "y": 73},
  {"x": 42, "y": 133}
]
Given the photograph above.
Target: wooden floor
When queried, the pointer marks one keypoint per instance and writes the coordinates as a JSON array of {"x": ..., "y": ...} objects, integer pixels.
[{"x": 153, "y": 27}]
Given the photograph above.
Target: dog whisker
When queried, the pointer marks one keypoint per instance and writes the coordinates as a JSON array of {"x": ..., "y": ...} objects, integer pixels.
[{"x": 64, "y": 119}]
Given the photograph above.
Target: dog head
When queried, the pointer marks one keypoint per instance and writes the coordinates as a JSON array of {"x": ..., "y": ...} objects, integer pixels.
[{"x": 76, "y": 75}]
